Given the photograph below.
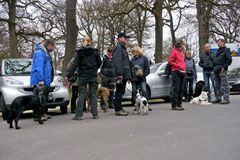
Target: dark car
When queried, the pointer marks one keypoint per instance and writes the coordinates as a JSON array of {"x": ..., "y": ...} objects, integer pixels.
[{"x": 234, "y": 80}]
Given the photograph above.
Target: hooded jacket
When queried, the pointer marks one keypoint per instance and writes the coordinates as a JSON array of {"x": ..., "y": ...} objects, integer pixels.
[
  {"x": 121, "y": 62},
  {"x": 42, "y": 69},
  {"x": 176, "y": 60},
  {"x": 223, "y": 59},
  {"x": 87, "y": 60}
]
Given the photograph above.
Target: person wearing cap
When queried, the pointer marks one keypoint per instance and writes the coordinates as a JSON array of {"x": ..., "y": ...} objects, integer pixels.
[
  {"x": 122, "y": 70},
  {"x": 107, "y": 76}
]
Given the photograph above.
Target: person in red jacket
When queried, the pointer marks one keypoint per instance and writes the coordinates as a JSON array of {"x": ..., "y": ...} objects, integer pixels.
[{"x": 176, "y": 60}]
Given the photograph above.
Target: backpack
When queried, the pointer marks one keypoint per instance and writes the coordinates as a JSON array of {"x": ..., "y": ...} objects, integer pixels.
[{"x": 189, "y": 67}]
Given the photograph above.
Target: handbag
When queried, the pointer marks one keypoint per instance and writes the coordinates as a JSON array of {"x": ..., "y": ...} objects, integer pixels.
[{"x": 138, "y": 71}]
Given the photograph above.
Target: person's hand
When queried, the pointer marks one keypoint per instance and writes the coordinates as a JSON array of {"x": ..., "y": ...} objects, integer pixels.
[
  {"x": 222, "y": 70},
  {"x": 213, "y": 73},
  {"x": 120, "y": 77},
  {"x": 128, "y": 81},
  {"x": 41, "y": 83},
  {"x": 66, "y": 78}
]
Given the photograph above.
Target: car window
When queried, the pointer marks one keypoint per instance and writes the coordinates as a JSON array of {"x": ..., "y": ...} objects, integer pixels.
[
  {"x": 154, "y": 68},
  {"x": 163, "y": 66},
  {"x": 17, "y": 66}
]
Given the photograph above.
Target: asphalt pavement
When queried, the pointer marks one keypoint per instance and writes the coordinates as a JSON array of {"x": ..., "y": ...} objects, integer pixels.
[{"x": 197, "y": 133}]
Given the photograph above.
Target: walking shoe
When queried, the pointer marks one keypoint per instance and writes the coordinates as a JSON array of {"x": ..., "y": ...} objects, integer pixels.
[
  {"x": 224, "y": 102},
  {"x": 95, "y": 117},
  {"x": 149, "y": 109},
  {"x": 77, "y": 118},
  {"x": 121, "y": 113},
  {"x": 216, "y": 101},
  {"x": 177, "y": 108},
  {"x": 42, "y": 118},
  {"x": 47, "y": 116}
]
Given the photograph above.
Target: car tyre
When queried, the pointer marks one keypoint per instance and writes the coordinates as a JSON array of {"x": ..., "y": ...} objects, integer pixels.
[
  {"x": 167, "y": 99},
  {"x": 63, "y": 109},
  {"x": 4, "y": 109}
]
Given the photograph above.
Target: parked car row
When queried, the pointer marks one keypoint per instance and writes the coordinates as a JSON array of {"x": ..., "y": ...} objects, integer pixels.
[{"x": 15, "y": 82}]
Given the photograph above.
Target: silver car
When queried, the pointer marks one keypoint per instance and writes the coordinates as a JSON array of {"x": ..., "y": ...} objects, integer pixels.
[
  {"x": 15, "y": 82},
  {"x": 158, "y": 83}
]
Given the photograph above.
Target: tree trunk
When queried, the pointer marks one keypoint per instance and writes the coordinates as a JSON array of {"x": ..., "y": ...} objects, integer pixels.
[
  {"x": 72, "y": 32},
  {"x": 157, "y": 11},
  {"x": 12, "y": 29},
  {"x": 203, "y": 16}
]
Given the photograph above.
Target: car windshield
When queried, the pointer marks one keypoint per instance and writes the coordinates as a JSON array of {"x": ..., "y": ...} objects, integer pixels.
[
  {"x": 17, "y": 66},
  {"x": 234, "y": 72},
  {"x": 154, "y": 68}
]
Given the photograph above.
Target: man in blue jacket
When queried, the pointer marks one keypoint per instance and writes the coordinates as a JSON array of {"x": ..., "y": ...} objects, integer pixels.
[
  {"x": 42, "y": 72},
  {"x": 222, "y": 61}
]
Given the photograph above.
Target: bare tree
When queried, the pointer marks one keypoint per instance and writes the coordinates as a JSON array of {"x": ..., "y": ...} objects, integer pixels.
[{"x": 72, "y": 32}]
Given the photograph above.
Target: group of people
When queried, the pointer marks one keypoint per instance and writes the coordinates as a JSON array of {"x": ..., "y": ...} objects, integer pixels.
[
  {"x": 118, "y": 68},
  {"x": 215, "y": 67},
  {"x": 82, "y": 71}
]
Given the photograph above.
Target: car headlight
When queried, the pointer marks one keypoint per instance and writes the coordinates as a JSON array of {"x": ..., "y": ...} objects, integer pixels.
[
  {"x": 12, "y": 82},
  {"x": 59, "y": 81}
]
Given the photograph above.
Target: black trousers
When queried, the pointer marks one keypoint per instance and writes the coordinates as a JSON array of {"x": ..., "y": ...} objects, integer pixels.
[
  {"x": 120, "y": 90},
  {"x": 74, "y": 97},
  {"x": 178, "y": 85}
]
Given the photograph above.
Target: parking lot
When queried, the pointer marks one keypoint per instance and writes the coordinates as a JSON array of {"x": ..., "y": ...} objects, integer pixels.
[{"x": 199, "y": 132}]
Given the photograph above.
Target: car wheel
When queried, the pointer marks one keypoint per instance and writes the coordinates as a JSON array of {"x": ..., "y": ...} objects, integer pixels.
[
  {"x": 63, "y": 109},
  {"x": 167, "y": 99},
  {"x": 4, "y": 110}
]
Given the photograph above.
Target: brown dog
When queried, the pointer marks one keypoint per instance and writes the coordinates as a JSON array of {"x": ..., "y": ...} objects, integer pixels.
[{"x": 103, "y": 92}]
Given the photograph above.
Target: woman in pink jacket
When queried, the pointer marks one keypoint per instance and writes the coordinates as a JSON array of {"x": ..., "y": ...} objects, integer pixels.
[{"x": 176, "y": 60}]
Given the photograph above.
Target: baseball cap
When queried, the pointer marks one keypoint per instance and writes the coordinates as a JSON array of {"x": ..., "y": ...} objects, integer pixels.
[{"x": 123, "y": 34}]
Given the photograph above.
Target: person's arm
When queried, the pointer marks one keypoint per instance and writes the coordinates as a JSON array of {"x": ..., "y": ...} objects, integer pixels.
[
  {"x": 201, "y": 61},
  {"x": 228, "y": 59},
  {"x": 117, "y": 61},
  {"x": 39, "y": 60},
  {"x": 99, "y": 61},
  {"x": 74, "y": 64},
  {"x": 171, "y": 59},
  {"x": 147, "y": 68}
]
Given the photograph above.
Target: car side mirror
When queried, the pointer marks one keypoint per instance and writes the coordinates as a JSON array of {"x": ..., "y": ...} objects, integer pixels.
[{"x": 162, "y": 73}]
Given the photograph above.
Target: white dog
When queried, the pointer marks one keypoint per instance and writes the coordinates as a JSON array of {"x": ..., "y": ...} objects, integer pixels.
[
  {"x": 141, "y": 105},
  {"x": 202, "y": 99}
]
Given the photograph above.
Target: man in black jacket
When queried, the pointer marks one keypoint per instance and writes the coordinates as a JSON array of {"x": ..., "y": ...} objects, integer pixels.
[
  {"x": 206, "y": 62},
  {"x": 222, "y": 61},
  {"x": 88, "y": 61},
  {"x": 121, "y": 65}
]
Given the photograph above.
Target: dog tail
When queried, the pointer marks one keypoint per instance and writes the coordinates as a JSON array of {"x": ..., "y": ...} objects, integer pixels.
[{"x": 113, "y": 86}]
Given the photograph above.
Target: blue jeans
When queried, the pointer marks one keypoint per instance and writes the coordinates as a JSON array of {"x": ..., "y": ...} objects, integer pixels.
[
  {"x": 188, "y": 86},
  {"x": 206, "y": 76},
  {"x": 143, "y": 88}
]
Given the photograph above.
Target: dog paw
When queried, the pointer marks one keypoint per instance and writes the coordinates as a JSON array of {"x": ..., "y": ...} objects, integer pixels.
[{"x": 10, "y": 126}]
